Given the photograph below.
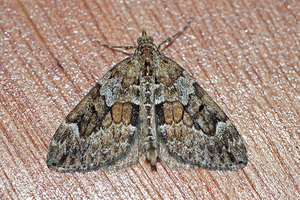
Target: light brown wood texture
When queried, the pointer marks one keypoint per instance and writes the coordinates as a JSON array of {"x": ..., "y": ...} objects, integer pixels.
[{"x": 245, "y": 54}]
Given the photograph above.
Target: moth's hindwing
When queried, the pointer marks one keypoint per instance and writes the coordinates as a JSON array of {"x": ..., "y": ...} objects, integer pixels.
[
  {"x": 101, "y": 131},
  {"x": 193, "y": 130}
]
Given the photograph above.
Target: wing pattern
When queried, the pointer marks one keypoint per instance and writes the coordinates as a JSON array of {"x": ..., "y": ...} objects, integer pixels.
[
  {"x": 193, "y": 130},
  {"x": 102, "y": 129},
  {"x": 146, "y": 104}
]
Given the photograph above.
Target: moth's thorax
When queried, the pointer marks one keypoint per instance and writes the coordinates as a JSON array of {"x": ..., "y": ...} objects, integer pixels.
[{"x": 147, "y": 52}]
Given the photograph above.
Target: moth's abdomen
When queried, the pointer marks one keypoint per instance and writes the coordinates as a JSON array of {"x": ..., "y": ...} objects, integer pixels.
[{"x": 147, "y": 87}]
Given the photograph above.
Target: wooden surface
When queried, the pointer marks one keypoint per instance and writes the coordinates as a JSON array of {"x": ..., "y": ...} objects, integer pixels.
[{"x": 245, "y": 54}]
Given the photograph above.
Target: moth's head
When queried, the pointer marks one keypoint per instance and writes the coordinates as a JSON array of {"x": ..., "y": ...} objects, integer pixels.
[{"x": 145, "y": 38}]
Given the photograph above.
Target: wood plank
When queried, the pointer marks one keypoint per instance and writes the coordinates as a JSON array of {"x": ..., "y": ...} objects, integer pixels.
[{"x": 245, "y": 54}]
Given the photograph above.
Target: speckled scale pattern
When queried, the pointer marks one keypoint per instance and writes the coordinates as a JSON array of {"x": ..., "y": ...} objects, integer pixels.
[{"x": 146, "y": 104}]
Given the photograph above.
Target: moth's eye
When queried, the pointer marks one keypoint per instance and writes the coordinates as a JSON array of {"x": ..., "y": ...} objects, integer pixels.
[
  {"x": 151, "y": 39},
  {"x": 139, "y": 40}
]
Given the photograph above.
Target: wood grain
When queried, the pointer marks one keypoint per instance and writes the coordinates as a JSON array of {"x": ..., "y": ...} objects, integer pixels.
[{"x": 245, "y": 54}]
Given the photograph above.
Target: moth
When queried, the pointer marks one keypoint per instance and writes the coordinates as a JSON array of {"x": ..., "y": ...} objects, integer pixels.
[{"x": 146, "y": 104}]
